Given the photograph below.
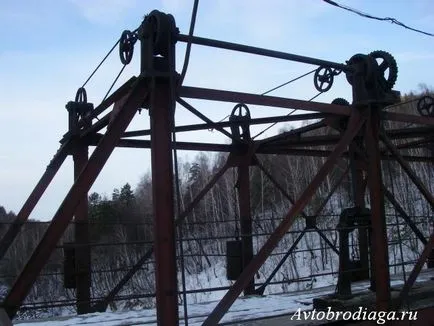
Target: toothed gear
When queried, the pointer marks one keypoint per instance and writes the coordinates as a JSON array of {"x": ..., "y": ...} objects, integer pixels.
[
  {"x": 340, "y": 101},
  {"x": 388, "y": 69}
]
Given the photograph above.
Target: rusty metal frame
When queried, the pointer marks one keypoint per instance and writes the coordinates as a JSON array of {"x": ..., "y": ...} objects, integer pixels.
[
  {"x": 81, "y": 186},
  {"x": 42, "y": 185},
  {"x": 355, "y": 123},
  {"x": 102, "y": 305},
  {"x": 160, "y": 95}
]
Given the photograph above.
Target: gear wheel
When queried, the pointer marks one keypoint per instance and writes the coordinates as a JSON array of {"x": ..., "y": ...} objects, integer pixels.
[
  {"x": 340, "y": 101},
  {"x": 365, "y": 67},
  {"x": 425, "y": 106},
  {"x": 387, "y": 67}
]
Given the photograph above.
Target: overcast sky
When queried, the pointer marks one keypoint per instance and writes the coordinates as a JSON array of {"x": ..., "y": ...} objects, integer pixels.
[{"x": 49, "y": 47}]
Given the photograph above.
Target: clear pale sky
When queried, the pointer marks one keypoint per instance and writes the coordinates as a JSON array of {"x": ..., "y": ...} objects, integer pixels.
[{"x": 49, "y": 47}]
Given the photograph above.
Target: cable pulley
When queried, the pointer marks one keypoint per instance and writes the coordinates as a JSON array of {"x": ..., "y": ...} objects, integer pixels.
[
  {"x": 323, "y": 78},
  {"x": 240, "y": 115},
  {"x": 80, "y": 105},
  {"x": 425, "y": 106},
  {"x": 81, "y": 95},
  {"x": 126, "y": 46}
]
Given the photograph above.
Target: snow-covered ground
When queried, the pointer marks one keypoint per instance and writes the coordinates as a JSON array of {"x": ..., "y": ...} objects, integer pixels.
[{"x": 243, "y": 308}]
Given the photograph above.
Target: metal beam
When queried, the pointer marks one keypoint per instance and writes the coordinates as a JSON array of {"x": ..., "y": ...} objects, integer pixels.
[
  {"x": 82, "y": 237},
  {"x": 378, "y": 218},
  {"x": 102, "y": 305},
  {"x": 64, "y": 214},
  {"x": 245, "y": 218},
  {"x": 406, "y": 167},
  {"x": 260, "y": 290},
  {"x": 224, "y": 124},
  {"x": 401, "y": 117},
  {"x": 161, "y": 121},
  {"x": 203, "y": 117},
  {"x": 117, "y": 95},
  {"x": 416, "y": 270},
  {"x": 404, "y": 215},
  {"x": 222, "y": 307},
  {"x": 294, "y": 132},
  {"x": 272, "y": 101},
  {"x": 34, "y": 197},
  {"x": 260, "y": 51}
]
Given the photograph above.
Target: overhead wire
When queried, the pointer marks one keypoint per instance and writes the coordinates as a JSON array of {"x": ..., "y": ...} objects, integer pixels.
[
  {"x": 274, "y": 123},
  {"x": 175, "y": 155},
  {"x": 188, "y": 48},
  {"x": 104, "y": 59},
  {"x": 100, "y": 64},
  {"x": 114, "y": 82},
  {"x": 390, "y": 19},
  {"x": 273, "y": 89}
]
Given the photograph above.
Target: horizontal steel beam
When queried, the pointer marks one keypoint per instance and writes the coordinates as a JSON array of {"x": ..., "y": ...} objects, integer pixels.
[
  {"x": 295, "y": 132},
  {"x": 254, "y": 99},
  {"x": 227, "y": 148},
  {"x": 401, "y": 117},
  {"x": 260, "y": 51},
  {"x": 224, "y": 124}
]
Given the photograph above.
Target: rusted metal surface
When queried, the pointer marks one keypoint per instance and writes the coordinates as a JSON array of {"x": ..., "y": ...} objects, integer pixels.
[
  {"x": 238, "y": 97},
  {"x": 245, "y": 219},
  {"x": 66, "y": 210},
  {"x": 197, "y": 113},
  {"x": 260, "y": 51},
  {"x": 406, "y": 167},
  {"x": 82, "y": 237},
  {"x": 100, "y": 124},
  {"x": 267, "y": 149},
  {"x": 416, "y": 270},
  {"x": 163, "y": 210},
  {"x": 34, "y": 197},
  {"x": 260, "y": 290},
  {"x": 297, "y": 131},
  {"x": 222, "y": 307},
  {"x": 370, "y": 85},
  {"x": 104, "y": 105},
  {"x": 215, "y": 125},
  {"x": 378, "y": 219}
]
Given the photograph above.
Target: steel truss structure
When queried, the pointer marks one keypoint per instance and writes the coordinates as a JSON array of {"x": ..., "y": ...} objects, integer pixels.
[{"x": 360, "y": 137}]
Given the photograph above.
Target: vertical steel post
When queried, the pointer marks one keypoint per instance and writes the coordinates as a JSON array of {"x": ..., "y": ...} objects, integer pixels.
[
  {"x": 81, "y": 186},
  {"x": 358, "y": 186},
  {"x": 163, "y": 200},
  {"x": 378, "y": 217},
  {"x": 430, "y": 262},
  {"x": 245, "y": 219},
  {"x": 82, "y": 271},
  {"x": 82, "y": 238},
  {"x": 225, "y": 303}
]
